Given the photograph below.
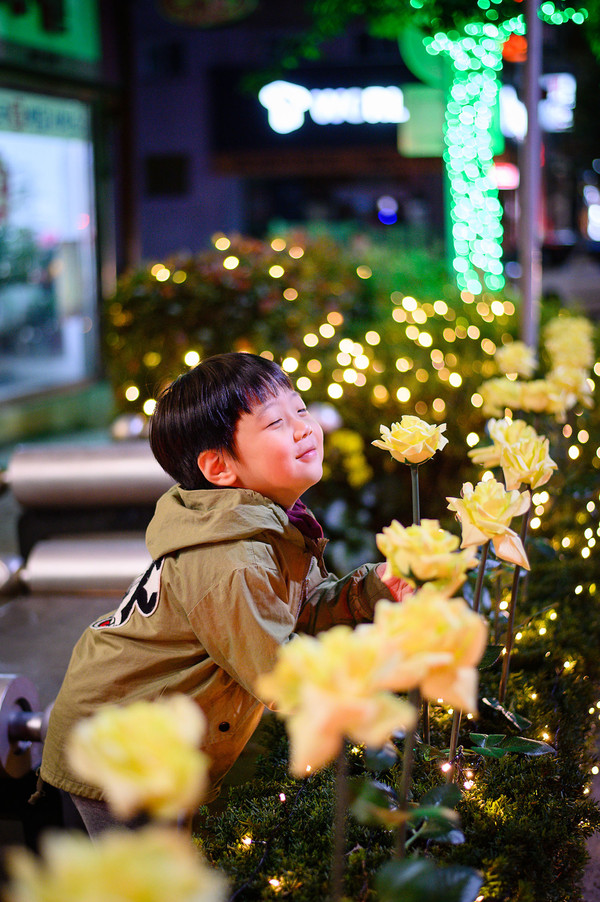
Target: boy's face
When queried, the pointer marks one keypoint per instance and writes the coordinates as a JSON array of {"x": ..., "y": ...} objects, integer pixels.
[{"x": 279, "y": 447}]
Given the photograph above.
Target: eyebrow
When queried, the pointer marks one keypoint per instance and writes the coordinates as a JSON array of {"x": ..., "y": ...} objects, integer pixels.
[{"x": 264, "y": 408}]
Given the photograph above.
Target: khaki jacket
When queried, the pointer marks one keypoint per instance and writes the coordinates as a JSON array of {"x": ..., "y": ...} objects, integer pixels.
[{"x": 232, "y": 579}]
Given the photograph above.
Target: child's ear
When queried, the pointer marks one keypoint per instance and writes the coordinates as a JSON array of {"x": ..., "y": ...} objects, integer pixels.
[{"x": 216, "y": 468}]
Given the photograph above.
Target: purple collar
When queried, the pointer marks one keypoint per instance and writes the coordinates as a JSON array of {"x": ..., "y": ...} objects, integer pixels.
[{"x": 300, "y": 517}]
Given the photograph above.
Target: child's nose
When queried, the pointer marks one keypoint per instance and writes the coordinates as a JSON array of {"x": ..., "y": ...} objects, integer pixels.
[{"x": 303, "y": 427}]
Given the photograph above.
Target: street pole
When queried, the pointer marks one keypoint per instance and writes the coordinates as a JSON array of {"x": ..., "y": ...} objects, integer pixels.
[{"x": 531, "y": 172}]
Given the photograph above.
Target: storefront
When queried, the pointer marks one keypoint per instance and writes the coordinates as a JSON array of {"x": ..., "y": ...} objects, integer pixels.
[{"x": 50, "y": 93}]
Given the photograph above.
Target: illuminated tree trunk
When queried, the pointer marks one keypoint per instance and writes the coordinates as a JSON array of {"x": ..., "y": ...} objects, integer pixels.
[
  {"x": 530, "y": 241},
  {"x": 471, "y": 103}
]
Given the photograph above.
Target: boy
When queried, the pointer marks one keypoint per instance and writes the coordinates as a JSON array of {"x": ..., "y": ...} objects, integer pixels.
[{"x": 237, "y": 568}]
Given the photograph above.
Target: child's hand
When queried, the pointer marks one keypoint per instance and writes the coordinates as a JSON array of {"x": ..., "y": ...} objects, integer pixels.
[{"x": 398, "y": 587}]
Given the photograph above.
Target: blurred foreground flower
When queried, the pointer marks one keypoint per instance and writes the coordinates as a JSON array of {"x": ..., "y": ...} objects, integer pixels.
[
  {"x": 425, "y": 553},
  {"x": 432, "y": 642},
  {"x": 145, "y": 756},
  {"x": 327, "y": 689},
  {"x": 412, "y": 441},
  {"x": 516, "y": 357},
  {"x": 485, "y": 513},
  {"x": 150, "y": 865}
]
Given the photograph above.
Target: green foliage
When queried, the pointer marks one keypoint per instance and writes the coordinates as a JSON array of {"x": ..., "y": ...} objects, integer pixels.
[
  {"x": 387, "y": 18},
  {"x": 525, "y": 817},
  {"x": 151, "y": 324},
  {"x": 422, "y": 881}
]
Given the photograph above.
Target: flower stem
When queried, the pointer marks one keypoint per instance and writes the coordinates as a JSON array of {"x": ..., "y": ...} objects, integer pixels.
[
  {"x": 426, "y": 728},
  {"x": 416, "y": 504},
  {"x": 456, "y": 717},
  {"x": 407, "y": 763},
  {"x": 511, "y": 616},
  {"x": 497, "y": 600},
  {"x": 416, "y": 511},
  {"x": 480, "y": 576},
  {"x": 339, "y": 826}
]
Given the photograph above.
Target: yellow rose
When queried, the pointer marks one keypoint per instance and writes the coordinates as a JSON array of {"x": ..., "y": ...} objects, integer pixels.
[
  {"x": 527, "y": 461},
  {"x": 569, "y": 341},
  {"x": 325, "y": 686},
  {"x": 572, "y": 383},
  {"x": 425, "y": 553},
  {"x": 317, "y": 729},
  {"x": 434, "y": 642},
  {"x": 543, "y": 396},
  {"x": 145, "y": 756},
  {"x": 149, "y": 865},
  {"x": 485, "y": 513},
  {"x": 538, "y": 396},
  {"x": 516, "y": 357},
  {"x": 498, "y": 394},
  {"x": 412, "y": 441},
  {"x": 503, "y": 433}
]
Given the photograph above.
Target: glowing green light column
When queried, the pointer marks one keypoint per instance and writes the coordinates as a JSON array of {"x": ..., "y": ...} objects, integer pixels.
[{"x": 475, "y": 209}]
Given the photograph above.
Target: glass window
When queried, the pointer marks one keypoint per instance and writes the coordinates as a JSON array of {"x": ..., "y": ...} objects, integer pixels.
[{"x": 48, "y": 285}]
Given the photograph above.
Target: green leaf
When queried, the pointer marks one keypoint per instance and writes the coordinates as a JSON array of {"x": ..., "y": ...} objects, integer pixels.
[
  {"x": 433, "y": 812},
  {"x": 378, "y": 760},
  {"x": 430, "y": 753},
  {"x": 436, "y": 832},
  {"x": 446, "y": 794},
  {"x": 490, "y": 656},
  {"x": 491, "y": 752},
  {"x": 374, "y": 803},
  {"x": 521, "y": 723},
  {"x": 422, "y": 881},
  {"x": 490, "y": 746},
  {"x": 496, "y": 745},
  {"x": 483, "y": 740},
  {"x": 527, "y": 746}
]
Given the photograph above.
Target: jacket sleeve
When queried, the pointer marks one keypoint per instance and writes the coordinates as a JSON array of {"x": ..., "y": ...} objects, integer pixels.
[
  {"x": 349, "y": 600},
  {"x": 241, "y": 622}
]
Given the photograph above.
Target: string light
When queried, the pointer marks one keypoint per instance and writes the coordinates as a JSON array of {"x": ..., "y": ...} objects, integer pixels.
[
  {"x": 192, "y": 358},
  {"x": 476, "y": 211}
]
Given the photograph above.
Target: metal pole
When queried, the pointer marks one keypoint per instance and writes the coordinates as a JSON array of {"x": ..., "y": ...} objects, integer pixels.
[{"x": 530, "y": 244}]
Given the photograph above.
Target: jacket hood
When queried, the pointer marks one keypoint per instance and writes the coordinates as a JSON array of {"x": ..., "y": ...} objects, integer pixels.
[{"x": 184, "y": 519}]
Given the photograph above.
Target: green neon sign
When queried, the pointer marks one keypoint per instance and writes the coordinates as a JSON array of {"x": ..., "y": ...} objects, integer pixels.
[{"x": 67, "y": 28}]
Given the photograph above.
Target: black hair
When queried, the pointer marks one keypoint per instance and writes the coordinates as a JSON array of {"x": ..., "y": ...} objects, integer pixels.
[{"x": 200, "y": 409}]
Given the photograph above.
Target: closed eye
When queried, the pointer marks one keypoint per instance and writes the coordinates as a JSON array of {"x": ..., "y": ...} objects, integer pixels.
[{"x": 274, "y": 423}]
